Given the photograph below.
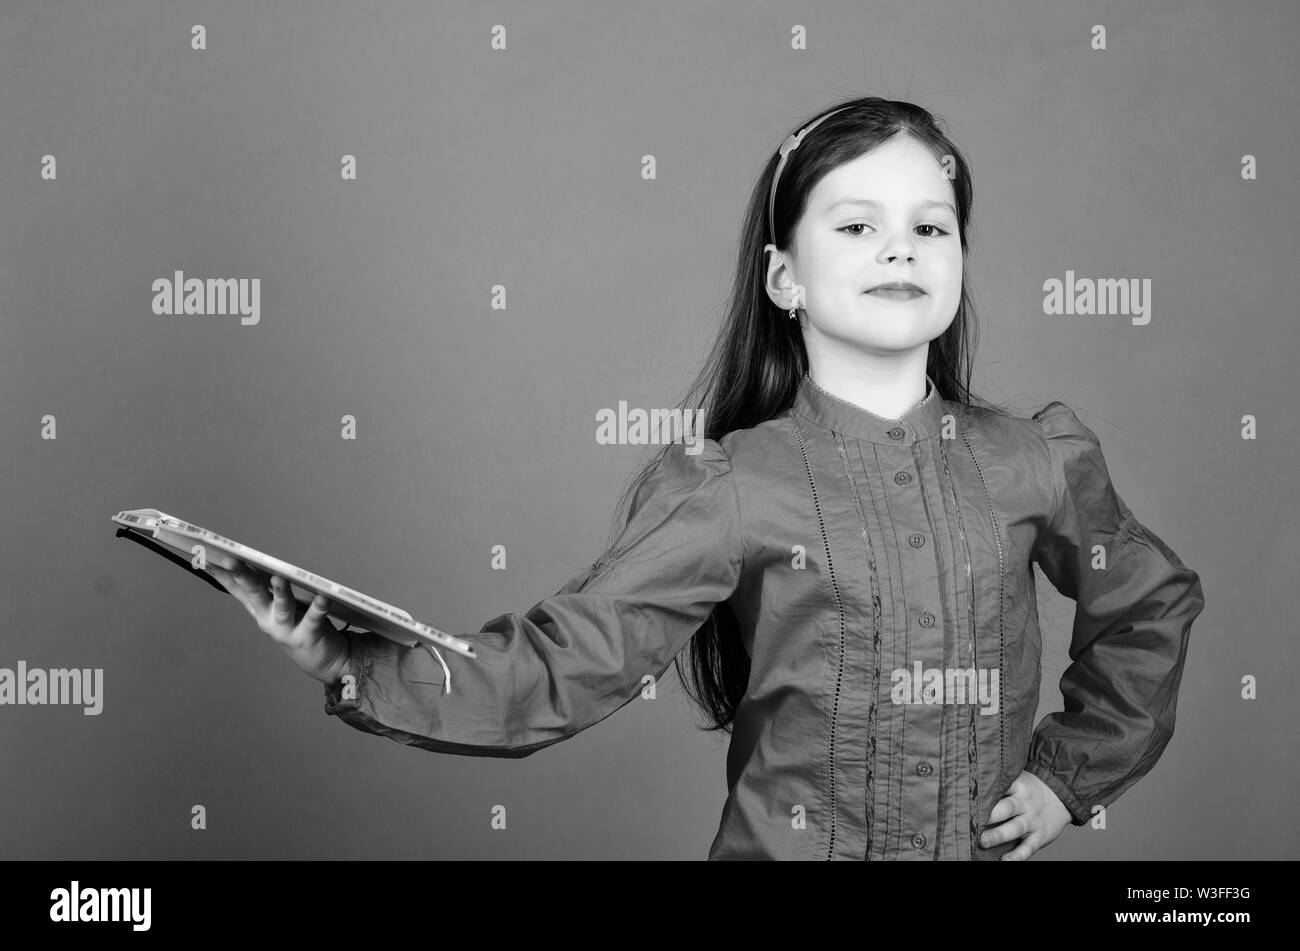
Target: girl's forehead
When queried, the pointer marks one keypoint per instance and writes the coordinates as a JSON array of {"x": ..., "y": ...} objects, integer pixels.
[
  {"x": 898, "y": 159},
  {"x": 878, "y": 180}
]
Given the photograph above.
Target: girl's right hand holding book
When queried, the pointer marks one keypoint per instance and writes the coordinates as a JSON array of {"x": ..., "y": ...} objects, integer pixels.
[{"x": 304, "y": 631}]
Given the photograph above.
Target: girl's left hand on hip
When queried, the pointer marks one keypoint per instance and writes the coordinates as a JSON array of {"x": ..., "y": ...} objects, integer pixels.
[{"x": 1032, "y": 813}]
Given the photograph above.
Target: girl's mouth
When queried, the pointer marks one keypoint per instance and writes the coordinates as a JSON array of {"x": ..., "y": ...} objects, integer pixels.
[{"x": 890, "y": 293}]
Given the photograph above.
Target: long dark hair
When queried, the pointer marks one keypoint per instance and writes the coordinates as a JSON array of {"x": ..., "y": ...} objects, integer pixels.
[{"x": 753, "y": 370}]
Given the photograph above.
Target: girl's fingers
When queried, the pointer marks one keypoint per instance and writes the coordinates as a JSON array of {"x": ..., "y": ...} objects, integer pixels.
[
  {"x": 1013, "y": 828},
  {"x": 285, "y": 604},
  {"x": 1005, "y": 809},
  {"x": 222, "y": 576},
  {"x": 253, "y": 583},
  {"x": 1028, "y": 845},
  {"x": 262, "y": 593},
  {"x": 316, "y": 612},
  {"x": 229, "y": 583},
  {"x": 239, "y": 579}
]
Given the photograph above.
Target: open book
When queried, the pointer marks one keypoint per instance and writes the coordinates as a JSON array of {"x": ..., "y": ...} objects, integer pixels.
[{"x": 189, "y": 546}]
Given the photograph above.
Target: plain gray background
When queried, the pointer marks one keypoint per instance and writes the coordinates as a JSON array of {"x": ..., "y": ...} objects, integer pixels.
[{"x": 476, "y": 426}]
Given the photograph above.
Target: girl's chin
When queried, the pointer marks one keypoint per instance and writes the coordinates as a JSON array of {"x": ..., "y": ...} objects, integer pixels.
[{"x": 886, "y": 332}]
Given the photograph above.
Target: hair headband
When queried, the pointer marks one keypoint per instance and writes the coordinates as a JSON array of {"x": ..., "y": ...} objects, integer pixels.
[{"x": 789, "y": 145}]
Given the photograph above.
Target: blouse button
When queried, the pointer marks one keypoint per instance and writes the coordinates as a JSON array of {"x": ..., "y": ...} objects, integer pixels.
[
  {"x": 902, "y": 478},
  {"x": 927, "y": 619},
  {"x": 916, "y": 541},
  {"x": 896, "y": 433},
  {"x": 924, "y": 768},
  {"x": 918, "y": 841}
]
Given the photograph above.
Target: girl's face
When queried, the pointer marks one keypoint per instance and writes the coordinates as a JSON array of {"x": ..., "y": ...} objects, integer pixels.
[{"x": 885, "y": 217}]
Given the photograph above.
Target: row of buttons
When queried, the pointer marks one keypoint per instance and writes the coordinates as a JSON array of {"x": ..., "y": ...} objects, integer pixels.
[
  {"x": 924, "y": 767},
  {"x": 915, "y": 541}
]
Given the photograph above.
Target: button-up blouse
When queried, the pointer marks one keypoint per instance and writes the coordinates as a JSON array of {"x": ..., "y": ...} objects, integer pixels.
[{"x": 882, "y": 575}]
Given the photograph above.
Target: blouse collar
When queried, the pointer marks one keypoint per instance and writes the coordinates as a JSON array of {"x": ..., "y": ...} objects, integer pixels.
[{"x": 921, "y": 421}]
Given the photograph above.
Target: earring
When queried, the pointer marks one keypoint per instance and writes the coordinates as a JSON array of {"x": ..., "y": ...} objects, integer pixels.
[{"x": 794, "y": 313}]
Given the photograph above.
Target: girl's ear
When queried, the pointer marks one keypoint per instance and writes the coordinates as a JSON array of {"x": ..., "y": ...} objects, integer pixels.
[
  {"x": 768, "y": 270},
  {"x": 797, "y": 289}
]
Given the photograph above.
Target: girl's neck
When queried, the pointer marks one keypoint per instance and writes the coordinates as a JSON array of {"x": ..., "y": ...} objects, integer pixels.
[{"x": 885, "y": 388}]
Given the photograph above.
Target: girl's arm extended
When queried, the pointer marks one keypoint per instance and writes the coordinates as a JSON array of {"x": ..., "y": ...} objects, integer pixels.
[
  {"x": 1131, "y": 626},
  {"x": 574, "y": 658}
]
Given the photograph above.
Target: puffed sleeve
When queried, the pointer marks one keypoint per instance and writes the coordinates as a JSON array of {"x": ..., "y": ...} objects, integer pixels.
[
  {"x": 574, "y": 658},
  {"x": 1131, "y": 625}
]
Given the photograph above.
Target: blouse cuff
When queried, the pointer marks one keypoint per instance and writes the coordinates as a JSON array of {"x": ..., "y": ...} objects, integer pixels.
[{"x": 1079, "y": 813}]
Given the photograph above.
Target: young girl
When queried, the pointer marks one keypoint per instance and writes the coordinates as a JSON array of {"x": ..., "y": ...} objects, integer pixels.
[{"x": 847, "y": 553}]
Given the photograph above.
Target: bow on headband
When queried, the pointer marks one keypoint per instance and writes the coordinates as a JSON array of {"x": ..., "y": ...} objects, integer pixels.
[{"x": 791, "y": 143}]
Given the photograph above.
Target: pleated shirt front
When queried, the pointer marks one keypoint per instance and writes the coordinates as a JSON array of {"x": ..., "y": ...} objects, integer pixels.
[{"x": 881, "y": 572}]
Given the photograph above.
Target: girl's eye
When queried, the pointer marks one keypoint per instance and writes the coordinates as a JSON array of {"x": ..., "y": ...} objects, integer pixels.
[{"x": 862, "y": 225}]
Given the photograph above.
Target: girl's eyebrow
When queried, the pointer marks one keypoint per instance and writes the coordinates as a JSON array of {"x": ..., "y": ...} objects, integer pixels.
[{"x": 931, "y": 203}]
